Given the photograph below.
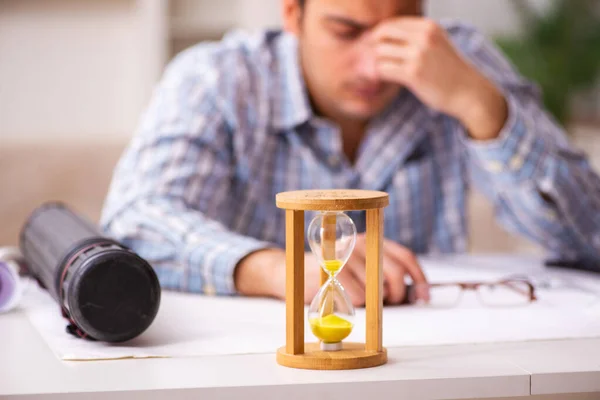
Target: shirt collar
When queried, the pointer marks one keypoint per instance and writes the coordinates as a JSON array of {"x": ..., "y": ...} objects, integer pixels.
[{"x": 290, "y": 102}]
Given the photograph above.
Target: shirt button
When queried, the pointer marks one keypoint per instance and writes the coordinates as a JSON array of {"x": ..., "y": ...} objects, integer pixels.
[
  {"x": 546, "y": 186},
  {"x": 550, "y": 215},
  {"x": 597, "y": 241},
  {"x": 516, "y": 163},
  {"x": 333, "y": 160},
  {"x": 209, "y": 290},
  {"x": 494, "y": 166}
]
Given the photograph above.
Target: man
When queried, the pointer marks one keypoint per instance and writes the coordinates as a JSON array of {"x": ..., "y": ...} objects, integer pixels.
[{"x": 355, "y": 94}]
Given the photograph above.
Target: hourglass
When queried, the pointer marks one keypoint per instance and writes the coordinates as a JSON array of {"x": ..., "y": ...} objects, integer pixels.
[{"x": 332, "y": 236}]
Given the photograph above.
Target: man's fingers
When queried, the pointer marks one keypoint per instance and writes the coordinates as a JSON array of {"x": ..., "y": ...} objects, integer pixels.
[
  {"x": 386, "y": 289},
  {"x": 394, "y": 276},
  {"x": 356, "y": 265},
  {"x": 394, "y": 52},
  {"x": 354, "y": 289},
  {"x": 392, "y": 71},
  {"x": 402, "y": 30},
  {"x": 408, "y": 259},
  {"x": 360, "y": 248}
]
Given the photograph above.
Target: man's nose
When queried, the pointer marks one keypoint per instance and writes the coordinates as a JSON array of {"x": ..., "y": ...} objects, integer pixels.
[{"x": 367, "y": 63}]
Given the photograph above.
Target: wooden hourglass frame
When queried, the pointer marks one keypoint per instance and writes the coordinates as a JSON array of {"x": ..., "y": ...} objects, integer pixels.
[{"x": 296, "y": 353}]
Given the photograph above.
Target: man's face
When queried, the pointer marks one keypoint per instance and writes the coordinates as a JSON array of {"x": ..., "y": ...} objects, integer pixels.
[{"x": 337, "y": 52}]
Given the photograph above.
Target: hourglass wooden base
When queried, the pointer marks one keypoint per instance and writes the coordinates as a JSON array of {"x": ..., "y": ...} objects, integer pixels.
[
  {"x": 352, "y": 356},
  {"x": 296, "y": 353}
]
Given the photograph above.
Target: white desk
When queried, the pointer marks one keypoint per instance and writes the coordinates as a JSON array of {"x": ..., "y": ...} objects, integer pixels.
[
  {"x": 561, "y": 369},
  {"x": 29, "y": 370}
]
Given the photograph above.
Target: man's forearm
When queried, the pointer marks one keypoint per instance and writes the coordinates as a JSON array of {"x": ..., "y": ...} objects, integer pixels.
[
  {"x": 484, "y": 110},
  {"x": 257, "y": 273},
  {"x": 191, "y": 252},
  {"x": 542, "y": 187}
]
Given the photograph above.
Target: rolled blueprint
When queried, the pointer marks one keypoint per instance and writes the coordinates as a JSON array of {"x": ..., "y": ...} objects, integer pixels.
[
  {"x": 105, "y": 290},
  {"x": 11, "y": 286}
]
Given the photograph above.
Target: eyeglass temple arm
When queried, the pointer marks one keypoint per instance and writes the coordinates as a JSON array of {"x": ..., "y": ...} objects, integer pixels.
[
  {"x": 530, "y": 293},
  {"x": 473, "y": 285}
]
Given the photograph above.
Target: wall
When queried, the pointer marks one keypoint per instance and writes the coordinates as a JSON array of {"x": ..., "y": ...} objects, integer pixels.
[
  {"x": 77, "y": 68},
  {"x": 496, "y": 17}
]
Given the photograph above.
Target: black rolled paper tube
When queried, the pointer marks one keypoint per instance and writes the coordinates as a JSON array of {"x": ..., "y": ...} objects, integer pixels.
[{"x": 108, "y": 292}]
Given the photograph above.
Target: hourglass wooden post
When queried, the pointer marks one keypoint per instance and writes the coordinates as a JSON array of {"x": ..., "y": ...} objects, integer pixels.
[
  {"x": 328, "y": 242},
  {"x": 296, "y": 353}
]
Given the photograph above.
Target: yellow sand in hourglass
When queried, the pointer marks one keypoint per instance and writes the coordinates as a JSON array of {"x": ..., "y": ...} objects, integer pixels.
[
  {"x": 331, "y": 329},
  {"x": 332, "y": 266}
]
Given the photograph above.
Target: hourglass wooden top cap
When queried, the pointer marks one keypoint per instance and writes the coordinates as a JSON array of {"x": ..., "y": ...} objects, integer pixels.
[{"x": 332, "y": 200}]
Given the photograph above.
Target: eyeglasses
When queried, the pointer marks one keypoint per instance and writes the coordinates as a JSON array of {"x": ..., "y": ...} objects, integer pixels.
[{"x": 502, "y": 293}]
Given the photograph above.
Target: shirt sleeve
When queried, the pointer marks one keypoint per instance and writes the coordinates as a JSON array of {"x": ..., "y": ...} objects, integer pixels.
[
  {"x": 542, "y": 186},
  {"x": 174, "y": 175}
]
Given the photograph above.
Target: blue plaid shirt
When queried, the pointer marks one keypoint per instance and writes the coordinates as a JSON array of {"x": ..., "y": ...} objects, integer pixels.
[{"x": 230, "y": 126}]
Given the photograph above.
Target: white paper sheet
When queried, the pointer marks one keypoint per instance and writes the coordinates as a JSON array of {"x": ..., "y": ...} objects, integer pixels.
[{"x": 191, "y": 325}]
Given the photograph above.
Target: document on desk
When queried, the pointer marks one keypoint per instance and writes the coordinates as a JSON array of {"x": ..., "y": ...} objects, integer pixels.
[{"x": 190, "y": 325}]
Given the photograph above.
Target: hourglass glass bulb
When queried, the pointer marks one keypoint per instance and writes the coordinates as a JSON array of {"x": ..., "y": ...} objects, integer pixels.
[
  {"x": 332, "y": 236},
  {"x": 331, "y": 315}
]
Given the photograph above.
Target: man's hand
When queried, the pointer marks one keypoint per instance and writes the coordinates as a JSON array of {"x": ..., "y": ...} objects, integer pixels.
[
  {"x": 416, "y": 53},
  {"x": 398, "y": 261},
  {"x": 263, "y": 273}
]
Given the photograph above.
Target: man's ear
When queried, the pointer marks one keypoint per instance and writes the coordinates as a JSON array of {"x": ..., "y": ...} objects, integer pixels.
[
  {"x": 421, "y": 7},
  {"x": 291, "y": 16}
]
